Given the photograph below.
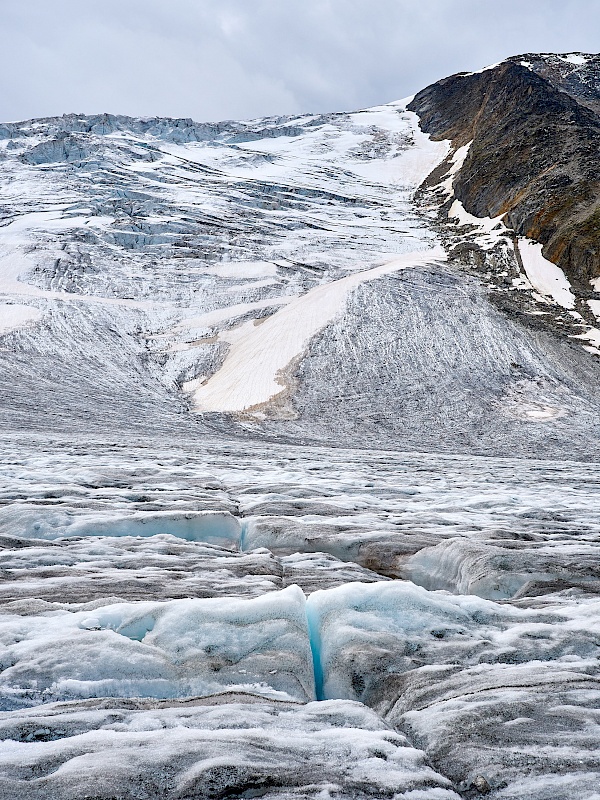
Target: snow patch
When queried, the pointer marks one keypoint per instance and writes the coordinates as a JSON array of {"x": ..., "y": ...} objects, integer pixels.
[
  {"x": 574, "y": 58},
  {"x": 388, "y": 117},
  {"x": 483, "y": 69},
  {"x": 592, "y": 336},
  {"x": 489, "y": 229},
  {"x": 253, "y": 372},
  {"x": 545, "y": 276},
  {"x": 486, "y": 224},
  {"x": 595, "y": 306},
  {"x": 243, "y": 269},
  {"x": 13, "y": 316},
  {"x": 218, "y": 315},
  {"x": 458, "y": 159},
  {"x": 407, "y": 167}
]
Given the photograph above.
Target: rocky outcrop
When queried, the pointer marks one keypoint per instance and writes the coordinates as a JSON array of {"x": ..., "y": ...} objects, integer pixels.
[{"x": 535, "y": 134}]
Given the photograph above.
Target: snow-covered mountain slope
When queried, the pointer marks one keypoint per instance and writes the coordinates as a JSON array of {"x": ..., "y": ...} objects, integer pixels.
[
  {"x": 171, "y": 238},
  {"x": 299, "y": 456},
  {"x": 155, "y": 267}
]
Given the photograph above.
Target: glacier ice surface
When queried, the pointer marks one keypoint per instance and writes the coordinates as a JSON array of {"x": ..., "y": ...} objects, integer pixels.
[{"x": 178, "y": 588}]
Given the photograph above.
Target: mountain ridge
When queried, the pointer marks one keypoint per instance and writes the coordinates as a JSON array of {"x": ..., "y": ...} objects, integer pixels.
[
  {"x": 158, "y": 227},
  {"x": 533, "y": 154}
]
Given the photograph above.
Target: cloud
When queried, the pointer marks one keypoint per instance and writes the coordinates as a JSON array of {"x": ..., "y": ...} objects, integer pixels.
[{"x": 216, "y": 59}]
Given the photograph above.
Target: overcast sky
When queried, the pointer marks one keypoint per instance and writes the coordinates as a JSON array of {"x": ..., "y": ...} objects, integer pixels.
[{"x": 223, "y": 59}]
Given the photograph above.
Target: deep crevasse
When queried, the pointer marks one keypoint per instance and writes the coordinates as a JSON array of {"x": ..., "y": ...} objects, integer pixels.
[{"x": 358, "y": 641}]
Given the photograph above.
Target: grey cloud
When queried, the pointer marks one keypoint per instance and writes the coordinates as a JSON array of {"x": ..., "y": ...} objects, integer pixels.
[{"x": 212, "y": 59}]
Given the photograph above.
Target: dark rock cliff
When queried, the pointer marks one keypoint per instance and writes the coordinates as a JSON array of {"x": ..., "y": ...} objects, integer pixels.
[{"x": 534, "y": 123}]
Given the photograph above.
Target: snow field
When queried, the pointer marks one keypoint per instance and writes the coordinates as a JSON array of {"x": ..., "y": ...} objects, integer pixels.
[{"x": 14, "y": 316}]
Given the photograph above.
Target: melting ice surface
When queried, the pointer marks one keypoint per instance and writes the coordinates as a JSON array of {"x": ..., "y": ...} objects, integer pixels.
[{"x": 417, "y": 679}]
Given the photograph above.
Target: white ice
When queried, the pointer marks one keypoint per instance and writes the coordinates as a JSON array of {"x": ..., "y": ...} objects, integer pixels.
[
  {"x": 366, "y": 635},
  {"x": 16, "y": 262},
  {"x": 173, "y": 649},
  {"x": 217, "y": 527},
  {"x": 15, "y": 316},
  {"x": 237, "y": 744}
]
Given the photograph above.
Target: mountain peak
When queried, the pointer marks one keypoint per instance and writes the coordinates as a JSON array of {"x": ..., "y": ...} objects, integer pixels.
[{"x": 535, "y": 132}]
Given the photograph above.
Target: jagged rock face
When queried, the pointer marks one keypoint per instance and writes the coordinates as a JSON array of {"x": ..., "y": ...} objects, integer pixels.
[
  {"x": 575, "y": 74},
  {"x": 535, "y": 136}
]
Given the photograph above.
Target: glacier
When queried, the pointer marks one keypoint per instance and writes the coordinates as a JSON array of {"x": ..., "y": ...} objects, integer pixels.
[{"x": 291, "y": 507}]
